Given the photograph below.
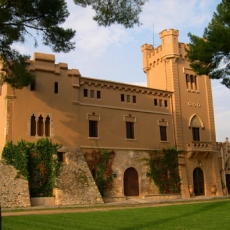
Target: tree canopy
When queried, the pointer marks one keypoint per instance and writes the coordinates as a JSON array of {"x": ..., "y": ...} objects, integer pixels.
[
  {"x": 210, "y": 55},
  {"x": 18, "y": 19}
]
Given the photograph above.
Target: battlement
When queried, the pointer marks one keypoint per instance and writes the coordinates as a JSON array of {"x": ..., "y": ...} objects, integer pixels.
[
  {"x": 169, "y": 32},
  {"x": 44, "y": 57}
]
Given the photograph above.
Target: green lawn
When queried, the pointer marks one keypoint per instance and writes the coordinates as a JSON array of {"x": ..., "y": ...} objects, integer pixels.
[{"x": 208, "y": 215}]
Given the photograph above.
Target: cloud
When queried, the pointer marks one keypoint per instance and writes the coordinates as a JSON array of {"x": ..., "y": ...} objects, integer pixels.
[
  {"x": 184, "y": 14},
  {"x": 21, "y": 48}
]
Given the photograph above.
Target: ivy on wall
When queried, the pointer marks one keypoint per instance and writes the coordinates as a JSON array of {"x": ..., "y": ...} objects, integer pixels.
[
  {"x": 100, "y": 164},
  {"x": 36, "y": 162},
  {"x": 163, "y": 169}
]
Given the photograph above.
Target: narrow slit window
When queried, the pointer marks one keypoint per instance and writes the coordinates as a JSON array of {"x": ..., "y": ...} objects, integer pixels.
[
  {"x": 56, "y": 87},
  {"x": 192, "y": 82},
  {"x": 155, "y": 101},
  {"x": 33, "y": 126},
  {"x": 47, "y": 126},
  {"x": 40, "y": 126}
]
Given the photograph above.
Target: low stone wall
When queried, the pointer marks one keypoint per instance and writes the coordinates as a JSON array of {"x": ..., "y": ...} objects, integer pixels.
[
  {"x": 42, "y": 201},
  {"x": 162, "y": 196},
  {"x": 75, "y": 184},
  {"x": 14, "y": 191}
]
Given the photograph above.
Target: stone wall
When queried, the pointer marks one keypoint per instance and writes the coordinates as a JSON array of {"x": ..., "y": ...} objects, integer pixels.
[
  {"x": 131, "y": 159},
  {"x": 14, "y": 191},
  {"x": 75, "y": 184}
]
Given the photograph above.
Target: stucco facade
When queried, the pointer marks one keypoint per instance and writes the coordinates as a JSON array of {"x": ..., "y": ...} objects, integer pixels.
[{"x": 175, "y": 109}]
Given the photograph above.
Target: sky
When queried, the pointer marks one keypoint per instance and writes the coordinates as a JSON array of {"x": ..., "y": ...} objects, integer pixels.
[{"x": 114, "y": 53}]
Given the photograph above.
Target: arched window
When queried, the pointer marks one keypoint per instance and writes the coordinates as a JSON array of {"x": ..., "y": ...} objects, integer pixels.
[
  {"x": 40, "y": 126},
  {"x": 195, "y": 123},
  {"x": 47, "y": 126},
  {"x": 33, "y": 125}
]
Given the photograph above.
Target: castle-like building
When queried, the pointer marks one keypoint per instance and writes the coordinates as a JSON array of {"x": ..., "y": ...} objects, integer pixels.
[{"x": 174, "y": 110}]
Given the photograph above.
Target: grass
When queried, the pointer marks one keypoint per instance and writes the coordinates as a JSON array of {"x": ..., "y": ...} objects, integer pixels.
[{"x": 208, "y": 215}]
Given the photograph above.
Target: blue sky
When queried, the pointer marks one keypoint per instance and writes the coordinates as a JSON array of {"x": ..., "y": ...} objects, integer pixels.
[{"x": 114, "y": 53}]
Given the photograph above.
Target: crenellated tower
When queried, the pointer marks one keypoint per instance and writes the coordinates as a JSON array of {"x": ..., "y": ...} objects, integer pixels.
[{"x": 167, "y": 68}]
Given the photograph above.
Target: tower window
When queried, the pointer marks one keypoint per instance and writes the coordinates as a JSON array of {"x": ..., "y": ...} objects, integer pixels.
[
  {"x": 155, "y": 101},
  {"x": 56, "y": 87},
  {"x": 196, "y": 134}
]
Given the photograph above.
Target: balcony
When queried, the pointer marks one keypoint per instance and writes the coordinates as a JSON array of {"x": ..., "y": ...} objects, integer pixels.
[{"x": 196, "y": 147}]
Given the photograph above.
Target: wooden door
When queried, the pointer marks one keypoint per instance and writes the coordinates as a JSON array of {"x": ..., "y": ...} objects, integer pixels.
[
  {"x": 198, "y": 182},
  {"x": 228, "y": 182},
  {"x": 131, "y": 187}
]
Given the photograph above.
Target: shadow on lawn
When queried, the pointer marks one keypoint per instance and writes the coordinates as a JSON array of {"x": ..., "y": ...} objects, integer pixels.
[{"x": 196, "y": 210}]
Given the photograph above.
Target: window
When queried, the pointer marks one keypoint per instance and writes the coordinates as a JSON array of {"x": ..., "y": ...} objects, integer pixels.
[
  {"x": 166, "y": 103},
  {"x": 33, "y": 126},
  {"x": 128, "y": 98},
  {"x": 33, "y": 86},
  {"x": 130, "y": 130},
  {"x": 93, "y": 128},
  {"x": 40, "y": 126},
  {"x": 134, "y": 99},
  {"x": 163, "y": 133},
  {"x": 92, "y": 93},
  {"x": 61, "y": 157},
  {"x": 191, "y": 82},
  {"x": 85, "y": 92},
  {"x": 160, "y": 103},
  {"x": 187, "y": 81},
  {"x": 98, "y": 94},
  {"x": 122, "y": 97},
  {"x": 56, "y": 87},
  {"x": 196, "y": 134},
  {"x": 155, "y": 101},
  {"x": 47, "y": 126}
]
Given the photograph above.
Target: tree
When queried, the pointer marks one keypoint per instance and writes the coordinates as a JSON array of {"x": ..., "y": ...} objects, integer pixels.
[
  {"x": 19, "y": 19},
  {"x": 210, "y": 55},
  {"x": 123, "y": 12}
]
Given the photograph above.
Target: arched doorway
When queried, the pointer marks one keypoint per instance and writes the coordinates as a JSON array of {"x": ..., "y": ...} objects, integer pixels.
[
  {"x": 131, "y": 187},
  {"x": 198, "y": 182}
]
